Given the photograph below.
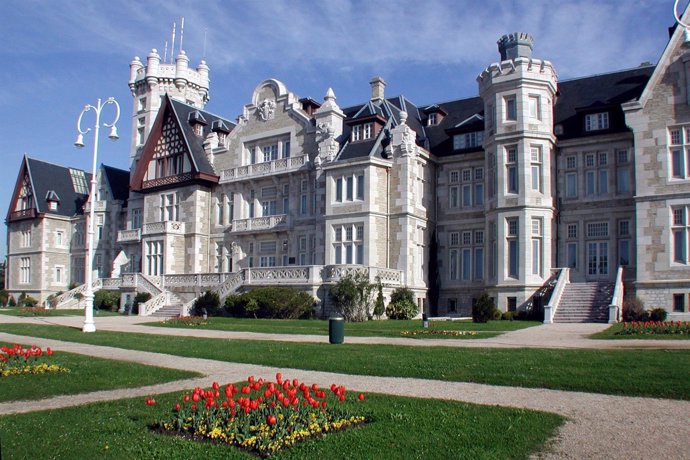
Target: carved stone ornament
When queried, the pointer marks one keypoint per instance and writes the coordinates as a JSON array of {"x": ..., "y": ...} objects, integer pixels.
[{"x": 267, "y": 110}]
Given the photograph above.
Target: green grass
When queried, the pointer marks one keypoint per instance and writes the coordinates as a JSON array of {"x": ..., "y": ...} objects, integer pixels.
[
  {"x": 53, "y": 312},
  {"x": 384, "y": 328},
  {"x": 86, "y": 374},
  {"x": 655, "y": 373},
  {"x": 403, "y": 428},
  {"x": 610, "y": 333}
]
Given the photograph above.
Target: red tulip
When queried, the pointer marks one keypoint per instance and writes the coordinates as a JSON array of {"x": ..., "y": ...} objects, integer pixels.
[
  {"x": 271, "y": 420},
  {"x": 177, "y": 406},
  {"x": 361, "y": 396}
]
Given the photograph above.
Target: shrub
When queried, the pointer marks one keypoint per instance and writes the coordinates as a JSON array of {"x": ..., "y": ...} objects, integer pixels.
[
  {"x": 507, "y": 316},
  {"x": 402, "y": 293},
  {"x": 352, "y": 296},
  {"x": 280, "y": 303},
  {"x": 402, "y": 309},
  {"x": 11, "y": 302},
  {"x": 379, "y": 306},
  {"x": 29, "y": 301},
  {"x": 106, "y": 300},
  {"x": 141, "y": 297},
  {"x": 4, "y": 296},
  {"x": 633, "y": 310},
  {"x": 208, "y": 303},
  {"x": 657, "y": 314},
  {"x": 483, "y": 309}
]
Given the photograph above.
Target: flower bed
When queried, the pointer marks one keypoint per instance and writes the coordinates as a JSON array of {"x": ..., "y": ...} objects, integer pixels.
[
  {"x": 655, "y": 328},
  {"x": 259, "y": 416},
  {"x": 18, "y": 360},
  {"x": 439, "y": 332},
  {"x": 187, "y": 321}
]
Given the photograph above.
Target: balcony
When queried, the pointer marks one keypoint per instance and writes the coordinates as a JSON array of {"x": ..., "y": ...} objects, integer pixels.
[
  {"x": 279, "y": 222},
  {"x": 99, "y": 207},
  {"x": 167, "y": 180},
  {"x": 22, "y": 214},
  {"x": 129, "y": 236},
  {"x": 167, "y": 227},
  {"x": 282, "y": 165}
]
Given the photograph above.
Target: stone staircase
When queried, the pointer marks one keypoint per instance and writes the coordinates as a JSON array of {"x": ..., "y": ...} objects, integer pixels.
[
  {"x": 585, "y": 303},
  {"x": 171, "y": 309}
]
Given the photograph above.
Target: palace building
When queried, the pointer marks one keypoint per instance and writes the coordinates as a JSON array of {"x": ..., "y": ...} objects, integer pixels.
[{"x": 567, "y": 194}]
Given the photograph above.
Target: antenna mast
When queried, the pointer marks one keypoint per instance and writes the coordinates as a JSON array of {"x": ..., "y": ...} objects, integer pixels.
[
  {"x": 172, "y": 47},
  {"x": 165, "y": 54},
  {"x": 181, "y": 33},
  {"x": 204, "y": 53}
]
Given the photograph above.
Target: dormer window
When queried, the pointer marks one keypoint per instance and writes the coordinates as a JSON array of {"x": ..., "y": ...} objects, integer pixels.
[
  {"x": 198, "y": 129},
  {"x": 222, "y": 130},
  {"x": 468, "y": 140},
  {"x": 197, "y": 121},
  {"x": 362, "y": 132},
  {"x": 52, "y": 199},
  {"x": 596, "y": 121}
]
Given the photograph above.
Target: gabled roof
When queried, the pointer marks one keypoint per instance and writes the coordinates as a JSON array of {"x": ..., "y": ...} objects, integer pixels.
[
  {"x": 118, "y": 181},
  {"x": 180, "y": 114},
  {"x": 49, "y": 180},
  {"x": 605, "y": 92},
  {"x": 387, "y": 111}
]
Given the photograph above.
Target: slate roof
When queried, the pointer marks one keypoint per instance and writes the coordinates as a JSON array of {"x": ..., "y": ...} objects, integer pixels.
[
  {"x": 118, "y": 181},
  {"x": 388, "y": 110},
  {"x": 195, "y": 143},
  {"x": 440, "y": 141},
  {"x": 597, "y": 93},
  {"x": 48, "y": 177}
]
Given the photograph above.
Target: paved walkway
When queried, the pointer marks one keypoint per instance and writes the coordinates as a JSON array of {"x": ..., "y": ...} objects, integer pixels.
[{"x": 598, "y": 426}]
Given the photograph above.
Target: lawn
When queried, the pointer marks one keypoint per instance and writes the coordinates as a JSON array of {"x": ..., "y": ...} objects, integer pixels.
[
  {"x": 383, "y": 328},
  {"x": 611, "y": 333},
  {"x": 655, "y": 373},
  {"x": 402, "y": 428},
  {"x": 38, "y": 311},
  {"x": 86, "y": 374}
]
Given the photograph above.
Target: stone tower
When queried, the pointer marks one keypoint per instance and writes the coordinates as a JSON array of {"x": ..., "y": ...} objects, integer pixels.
[
  {"x": 518, "y": 95},
  {"x": 151, "y": 81}
]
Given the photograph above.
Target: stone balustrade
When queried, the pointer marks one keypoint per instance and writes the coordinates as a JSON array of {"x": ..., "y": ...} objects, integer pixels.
[
  {"x": 260, "y": 223},
  {"x": 168, "y": 226},
  {"x": 126, "y": 236},
  {"x": 282, "y": 165}
]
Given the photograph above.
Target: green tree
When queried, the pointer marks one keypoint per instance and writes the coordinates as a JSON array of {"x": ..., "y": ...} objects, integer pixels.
[
  {"x": 380, "y": 305},
  {"x": 208, "y": 303},
  {"x": 352, "y": 297},
  {"x": 483, "y": 309}
]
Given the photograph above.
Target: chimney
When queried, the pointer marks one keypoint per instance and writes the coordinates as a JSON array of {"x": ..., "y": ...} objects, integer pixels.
[
  {"x": 515, "y": 45},
  {"x": 377, "y": 88}
]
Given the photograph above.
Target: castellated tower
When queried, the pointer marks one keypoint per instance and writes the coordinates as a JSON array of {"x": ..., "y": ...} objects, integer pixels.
[
  {"x": 151, "y": 81},
  {"x": 518, "y": 95}
]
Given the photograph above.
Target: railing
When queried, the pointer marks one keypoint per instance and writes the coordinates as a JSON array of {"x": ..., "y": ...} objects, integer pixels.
[
  {"x": 23, "y": 214},
  {"x": 550, "y": 309},
  {"x": 99, "y": 207},
  {"x": 111, "y": 283},
  {"x": 66, "y": 298},
  {"x": 231, "y": 281},
  {"x": 264, "y": 169},
  {"x": 149, "y": 284},
  {"x": 283, "y": 275},
  {"x": 387, "y": 276},
  {"x": 168, "y": 226},
  {"x": 260, "y": 223},
  {"x": 124, "y": 236},
  {"x": 167, "y": 180},
  {"x": 154, "y": 303},
  {"x": 616, "y": 306}
]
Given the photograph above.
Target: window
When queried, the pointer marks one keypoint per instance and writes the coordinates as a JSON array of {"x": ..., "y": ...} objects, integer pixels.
[
  {"x": 534, "y": 108},
  {"x": 220, "y": 209},
  {"x": 270, "y": 152},
  {"x": 537, "y": 263},
  {"x": 510, "y": 104},
  {"x": 250, "y": 204},
  {"x": 268, "y": 208},
  {"x": 453, "y": 264},
  {"x": 59, "y": 274},
  {"x": 679, "y": 303},
  {"x": 571, "y": 185},
  {"x": 679, "y": 232},
  {"x": 468, "y": 140},
  {"x": 169, "y": 207},
  {"x": 571, "y": 162},
  {"x": 598, "y": 230},
  {"x": 479, "y": 186},
  {"x": 25, "y": 270},
  {"x": 536, "y": 157},
  {"x": 454, "y": 196},
  {"x": 511, "y": 169},
  {"x": 572, "y": 230},
  {"x": 302, "y": 248},
  {"x": 512, "y": 303},
  {"x": 597, "y": 121},
  {"x": 25, "y": 236},
  {"x": 432, "y": 119},
  {"x": 454, "y": 239},
  {"x": 349, "y": 244},
  {"x": 267, "y": 261},
  {"x": 571, "y": 250},
  {"x": 596, "y": 174},
  {"x": 680, "y": 152},
  {"x": 136, "y": 218},
  {"x": 454, "y": 177},
  {"x": 286, "y": 149},
  {"x": 512, "y": 242},
  {"x": 78, "y": 182},
  {"x": 154, "y": 258},
  {"x": 141, "y": 104},
  {"x": 362, "y": 132},
  {"x": 304, "y": 199},
  {"x": 348, "y": 184},
  {"x": 60, "y": 238},
  {"x": 141, "y": 130},
  {"x": 452, "y": 305}
]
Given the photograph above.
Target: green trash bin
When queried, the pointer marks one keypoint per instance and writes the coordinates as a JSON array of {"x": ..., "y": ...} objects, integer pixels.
[{"x": 336, "y": 329}]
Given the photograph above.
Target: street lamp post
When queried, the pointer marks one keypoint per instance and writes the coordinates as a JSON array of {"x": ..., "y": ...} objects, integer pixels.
[{"x": 89, "y": 325}]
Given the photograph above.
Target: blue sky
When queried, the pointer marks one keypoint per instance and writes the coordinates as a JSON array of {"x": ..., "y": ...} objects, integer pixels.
[{"x": 58, "y": 56}]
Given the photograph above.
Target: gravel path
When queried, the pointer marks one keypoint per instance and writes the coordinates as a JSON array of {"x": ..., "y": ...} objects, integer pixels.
[{"x": 598, "y": 426}]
